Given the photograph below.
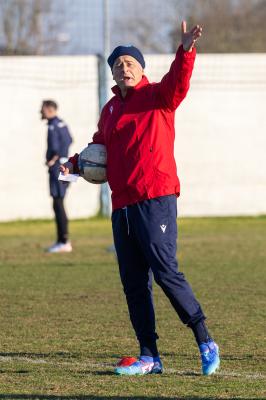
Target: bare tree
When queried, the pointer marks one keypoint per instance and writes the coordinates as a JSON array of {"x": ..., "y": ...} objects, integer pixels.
[
  {"x": 145, "y": 24},
  {"x": 229, "y": 26},
  {"x": 29, "y": 27},
  {"x": 142, "y": 37}
]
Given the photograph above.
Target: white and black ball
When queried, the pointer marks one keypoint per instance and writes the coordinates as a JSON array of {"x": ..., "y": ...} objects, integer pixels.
[{"x": 92, "y": 163}]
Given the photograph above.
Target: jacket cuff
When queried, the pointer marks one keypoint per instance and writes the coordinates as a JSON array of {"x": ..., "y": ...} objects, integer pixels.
[
  {"x": 74, "y": 162},
  {"x": 186, "y": 54}
]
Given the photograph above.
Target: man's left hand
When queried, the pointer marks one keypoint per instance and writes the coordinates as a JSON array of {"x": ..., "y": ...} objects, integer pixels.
[{"x": 189, "y": 38}]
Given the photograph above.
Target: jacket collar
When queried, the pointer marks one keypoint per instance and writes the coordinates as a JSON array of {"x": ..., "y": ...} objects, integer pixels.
[
  {"x": 52, "y": 120},
  {"x": 116, "y": 90}
]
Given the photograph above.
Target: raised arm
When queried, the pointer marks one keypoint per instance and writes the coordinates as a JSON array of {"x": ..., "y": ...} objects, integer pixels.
[{"x": 175, "y": 84}]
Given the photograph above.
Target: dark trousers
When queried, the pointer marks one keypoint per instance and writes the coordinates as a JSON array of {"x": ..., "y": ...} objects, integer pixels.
[
  {"x": 145, "y": 237},
  {"x": 60, "y": 219}
]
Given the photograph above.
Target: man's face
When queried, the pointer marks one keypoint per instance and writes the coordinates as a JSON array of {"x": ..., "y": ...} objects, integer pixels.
[
  {"x": 127, "y": 72},
  {"x": 47, "y": 112}
]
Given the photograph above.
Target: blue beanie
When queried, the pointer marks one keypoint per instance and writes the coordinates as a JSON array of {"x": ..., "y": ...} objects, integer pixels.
[{"x": 123, "y": 51}]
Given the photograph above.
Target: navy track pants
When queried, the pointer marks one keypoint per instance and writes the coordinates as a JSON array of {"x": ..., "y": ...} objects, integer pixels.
[{"x": 145, "y": 237}]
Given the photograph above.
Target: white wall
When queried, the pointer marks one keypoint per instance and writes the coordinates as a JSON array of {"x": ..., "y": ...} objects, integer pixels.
[
  {"x": 220, "y": 132},
  {"x": 24, "y": 83}
]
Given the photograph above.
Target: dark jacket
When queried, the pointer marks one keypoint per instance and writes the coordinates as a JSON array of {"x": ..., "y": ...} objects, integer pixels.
[{"x": 58, "y": 139}]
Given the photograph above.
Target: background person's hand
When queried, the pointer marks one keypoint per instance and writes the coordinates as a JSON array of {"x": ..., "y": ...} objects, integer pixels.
[
  {"x": 52, "y": 162},
  {"x": 67, "y": 168},
  {"x": 189, "y": 39}
]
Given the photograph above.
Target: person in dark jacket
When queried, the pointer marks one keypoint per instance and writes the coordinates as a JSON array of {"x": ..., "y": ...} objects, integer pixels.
[
  {"x": 58, "y": 142},
  {"x": 137, "y": 128}
]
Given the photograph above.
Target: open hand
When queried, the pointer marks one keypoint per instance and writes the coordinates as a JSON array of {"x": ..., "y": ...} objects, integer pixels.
[{"x": 188, "y": 39}]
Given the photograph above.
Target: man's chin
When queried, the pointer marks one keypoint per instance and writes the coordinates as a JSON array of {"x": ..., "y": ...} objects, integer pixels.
[{"x": 129, "y": 85}]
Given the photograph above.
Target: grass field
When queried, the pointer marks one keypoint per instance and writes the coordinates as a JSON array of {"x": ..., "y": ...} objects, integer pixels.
[{"x": 64, "y": 321}]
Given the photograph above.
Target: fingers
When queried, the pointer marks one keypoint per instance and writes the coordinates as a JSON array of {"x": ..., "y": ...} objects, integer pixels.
[
  {"x": 196, "y": 32},
  {"x": 183, "y": 27},
  {"x": 194, "y": 29},
  {"x": 64, "y": 170}
]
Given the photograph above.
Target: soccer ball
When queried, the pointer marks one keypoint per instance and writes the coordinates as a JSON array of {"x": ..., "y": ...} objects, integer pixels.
[{"x": 92, "y": 163}]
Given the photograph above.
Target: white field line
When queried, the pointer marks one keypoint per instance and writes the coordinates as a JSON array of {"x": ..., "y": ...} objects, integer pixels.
[
  {"x": 44, "y": 361},
  {"x": 89, "y": 364}
]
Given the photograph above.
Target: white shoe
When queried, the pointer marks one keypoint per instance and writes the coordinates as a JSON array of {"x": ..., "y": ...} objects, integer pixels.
[{"x": 60, "y": 248}]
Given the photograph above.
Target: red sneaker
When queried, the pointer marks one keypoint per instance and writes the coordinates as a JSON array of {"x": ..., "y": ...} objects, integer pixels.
[{"x": 126, "y": 361}]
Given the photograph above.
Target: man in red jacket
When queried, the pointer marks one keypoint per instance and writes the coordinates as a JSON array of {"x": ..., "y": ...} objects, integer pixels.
[{"x": 137, "y": 128}]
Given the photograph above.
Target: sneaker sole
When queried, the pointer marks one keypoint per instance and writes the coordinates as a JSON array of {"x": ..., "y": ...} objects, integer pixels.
[
  {"x": 119, "y": 372},
  {"x": 122, "y": 372},
  {"x": 156, "y": 371},
  {"x": 212, "y": 370},
  {"x": 59, "y": 251}
]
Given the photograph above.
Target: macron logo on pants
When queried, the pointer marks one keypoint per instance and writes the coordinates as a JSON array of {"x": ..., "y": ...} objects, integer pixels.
[{"x": 163, "y": 228}]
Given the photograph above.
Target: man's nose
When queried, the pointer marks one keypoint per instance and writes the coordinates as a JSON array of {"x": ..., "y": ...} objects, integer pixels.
[{"x": 124, "y": 67}]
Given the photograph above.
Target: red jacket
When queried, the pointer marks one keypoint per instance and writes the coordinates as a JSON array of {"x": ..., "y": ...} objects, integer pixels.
[{"x": 138, "y": 132}]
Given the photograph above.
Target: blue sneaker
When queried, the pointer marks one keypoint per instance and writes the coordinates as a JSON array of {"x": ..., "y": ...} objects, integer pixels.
[
  {"x": 158, "y": 366},
  {"x": 209, "y": 357},
  {"x": 145, "y": 365}
]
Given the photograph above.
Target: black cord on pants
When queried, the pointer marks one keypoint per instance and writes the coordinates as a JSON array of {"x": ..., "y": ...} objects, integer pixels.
[{"x": 60, "y": 219}]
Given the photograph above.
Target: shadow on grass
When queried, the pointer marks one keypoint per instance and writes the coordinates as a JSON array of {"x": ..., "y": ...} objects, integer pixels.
[
  {"x": 98, "y": 373},
  {"x": 92, "y": 397},
  {"x": 20, "y": 371},
  {"x": 111, "y": 373}
]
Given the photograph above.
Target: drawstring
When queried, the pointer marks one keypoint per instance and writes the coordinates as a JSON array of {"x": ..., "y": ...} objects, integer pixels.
[{"x": 125, "y": 208}]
